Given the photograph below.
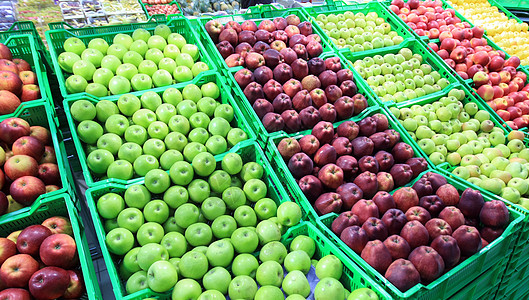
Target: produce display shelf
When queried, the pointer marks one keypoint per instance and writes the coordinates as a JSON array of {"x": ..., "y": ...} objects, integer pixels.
[
  {"x": 257, "y": 125},
  {"x": 339, "y": 7},
  {"x": 58, "y": 205},
  {"x": 494, "y": 254},
  {"x": 256, "y": 14},
  {"x": 145, "y": 5},
  {"x": 288, "y": 180},
  {"x": 249, "y": 152},
  {"x": 56, "y": 38},
  {"x": 28, "y": 27},
  {"x": 353, "y": 277},
  {"x": 469, "y": 97},
  {"x": 225, "y": 98},
  {"x": 417, "y": 47},
  {"x": 42, "y": 114},
  {"x": 22, "y": 45}
]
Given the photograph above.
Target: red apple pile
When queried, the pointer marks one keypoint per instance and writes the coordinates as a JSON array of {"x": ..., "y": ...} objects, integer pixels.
[
  {"x": 163, "y": 9},
  {"x": 151, "y": 2},
  {"x": 337, "y": 169},
  {"x": 28, "y": 165},
  {"x": 419, "y": 232},
  {"x": 17, "y": 82},
  {"x": 41, "y": 262},
  {"x": 427, "y": 18},
  {"x": 495, "y": 78},
  {"x": 288, "y": 85}
]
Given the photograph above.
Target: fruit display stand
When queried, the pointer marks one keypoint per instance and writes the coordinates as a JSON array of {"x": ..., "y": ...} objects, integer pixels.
[
  {"x": 256, "y": 14},
  {"x": 147, "y": 8},
  {"x": 353, "y": 277},
  {"x": 417, "y": 47},
  {"x": 23, "y": 46},
  {"x": 255, "y": 122},
  {"x": 287, "y": 179},
  {"x": 239, "y": 121},
  {"x": 42, "y": 114},
  {"x": 59, "y": 205},
  {"x": 56, "y": 38},
  {"x": 451, "y": 282},
  {"x": 28, "y": 27},
  {"x": 429, "y": 99},
  {"x": 340, "y": 7},
  {"x": 249, "y": 152}
]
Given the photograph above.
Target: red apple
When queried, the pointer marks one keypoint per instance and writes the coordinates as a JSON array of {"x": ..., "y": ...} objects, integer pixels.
[
  {"x": 17, "y": 270},
  {"x": 49, "y": 283},
  {"x": 26, "y": 189}
]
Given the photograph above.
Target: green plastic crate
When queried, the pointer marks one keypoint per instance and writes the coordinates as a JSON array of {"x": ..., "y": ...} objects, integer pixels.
[
  {"x": 435, "y": 97},
  {"x": 352, "y": 277},
  {"x": 257, "y": 14},
  {"x": 56, "y": 38},
  {"x": 262, "y": 134},
  {"x": 23, "y": 46},
  {"x": 41, "y": 114},
  {"x": 58, "y": 205},
  {"x": 225, "y": 98},
  {"x": 338, "y": 7},
  {"x": 417, "y": 47},
  {"x": 496, "y": 253},
  {"x": 289, "y": 182},
  {"x": 484, "y": 287},
  {"x": 249, "y": 151},
  {"x": 518, "y": 287}
]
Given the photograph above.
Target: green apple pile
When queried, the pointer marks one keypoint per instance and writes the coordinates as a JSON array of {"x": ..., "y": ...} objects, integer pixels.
[
  {"x": 449, "y": 131},
  {"x": 134, "y": 135},
  {"x": 400, "y": 77},
  {"x": 192, "y": 223},
  {"x": 134, "y": 62},
  {"x": 358, "y": 32}
]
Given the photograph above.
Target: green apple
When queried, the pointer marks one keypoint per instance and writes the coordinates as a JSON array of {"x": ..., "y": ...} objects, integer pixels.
[
  {"x": 219, "y": 126},
  {"x": 93, "y": 56},
  {"x": 145, "y": 163},
  {"x": 223, "y": 226},
  {"x": 110, "y": 224},
  {"x": 242, "y": 287},
  {"x": 519, "y": 184},
  {"x": 132, "y": 57},
  {"x": 128, "y": 104},
  {"x": 130, "y": 218},
  {"x": 193, "y": 265},
  {"x": 493, "y": 185},
  {"x": 212, "y": 208},
  {"x": 172, "y": 96},
  {"x": 219, "y": 181},
  {"x": 329, "y": 288},
  {"x": 158, "y": 130},
  {"x": 147, "y": 67},
  {"x": 216, "y": 144},
  {"x": 118, "y": 50},
  {"x": 198, "y": 68},
  {"x": 82, "y": 110},
  {"x": 119, "y": 85},
  {"x": 204, "y": 164},
  {"x": 170, "y": 226},
  {"x": 161, "y": 276},
  {"x": 270, "y": 293},
  {"x": 200, "y": 120},
  {"x": 295, "y": 282},
  {"x": 305, "y": 243},
  {"x": 99, "y": 44},
  {"x": 156, "y": 211},
  {"x": 186, "y": 214},
  {"x": 187, "y": 108},
  {"x": 110, "y": 205},
  {"x": 269, "y": 273},
  {"x": 251, "y": 170},
  {"x": 136, "y": 134},
  {"x": 141, "y": 34},
  {"x": 180, "y": 124},
  {"x": 198, "y": 135},
  {"x": 141, "y": 82},
  {"x": 192, "y": 50},
  {"x": 207, "y": 105},
  {"x": 137, "y": 196},
  {"x": 186, "y": 289},
  {"x": 74, "y": 45},
  {"x": 245, "y": 240},
  {"x": 232, "y": 163},
  {"x": 151, "y": 253},
  {"x": 165, "y": 112},
  {"x": 76, "y": 84},
  {"x": 461, "y": 172},
  {"x": 224, "y": 111},
  {"x": 511, "y": 194},
  {"x": 193, "y": 149},
  {"x": 329, "y": 266},
  {"x": 117, "y": 124},
  {"x": 181, "y": 173},
  {"x": 127, "y": 70},
  {"x": 198, "y": 190},
  {"x": 297, "y": 260},
  {"x": 268, "y": 231},
  {"x": 234, "y": 197},
  {"x": 105, "y": 109},
  {"x": 217, "y": 279},
  {"x": 130, "y": 261},
  {"x": 220, "y": 253},
  {"x": 169, "y": 157},
  {"x": 136, "y": 282},
  {"x": 245, "y": 216},
  {"x": 120, "y": 169},
  {"x": 154, "y": 147},
  {"x": 288, "y": 214},
  {"x": 109, "y": 141},
  {"x": 175, "y": 196},
  {"x": 162, "y": 78},
  {"x": 265, "y": 208},
  {"x": 175, "y": 244},
  {"x": 119, "y": 241},
  {"x": 110, "y": 62},
  {"x": 171, "y": 51},
  {"x": 362, "y": 294},
  {"x": 176, "y": 39},
  {"x": 123, "y": 39},
  {"x": 99, "y": 160},
  {"x": 198, "y": 234},
  {"x": 149, "y": 232},
  {"x": 66, "y": 60}
]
